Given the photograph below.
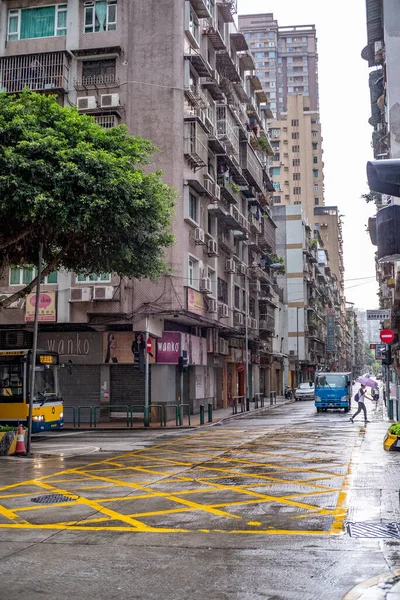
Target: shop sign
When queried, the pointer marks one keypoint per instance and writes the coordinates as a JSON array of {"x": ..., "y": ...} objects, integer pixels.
[
  {"x": 169, "y": 348},
  {"x": 47, "y": 307},
  {"x": 195, "y": 302},
  {"x": 330, "y": 333},
  {"x": 82, "y": 348},
  {"x": 379, "y": 315}
]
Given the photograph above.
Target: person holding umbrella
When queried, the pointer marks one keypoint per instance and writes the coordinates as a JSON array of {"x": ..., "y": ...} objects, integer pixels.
[{"x": 359, "y": 397}]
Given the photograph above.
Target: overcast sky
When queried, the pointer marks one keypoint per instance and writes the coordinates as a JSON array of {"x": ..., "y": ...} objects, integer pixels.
[{"x": 345, "y": 110}]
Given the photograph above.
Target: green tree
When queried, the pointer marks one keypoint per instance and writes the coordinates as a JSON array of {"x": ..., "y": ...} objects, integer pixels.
[{"x": 86, "y": 193}]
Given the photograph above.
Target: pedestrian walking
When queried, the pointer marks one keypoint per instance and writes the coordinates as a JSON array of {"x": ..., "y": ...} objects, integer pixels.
[{"x": 359, "y": 398}]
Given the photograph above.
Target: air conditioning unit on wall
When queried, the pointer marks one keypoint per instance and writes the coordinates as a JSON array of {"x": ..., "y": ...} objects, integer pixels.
[
  {"x": 109, "y": 100},
  {"x": 86, "y": 103},
  {"x": 104, "y": 292},
  {"x": 83, "y": 294}
]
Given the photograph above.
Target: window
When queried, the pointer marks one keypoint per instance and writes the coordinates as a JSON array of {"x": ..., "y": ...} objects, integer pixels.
[
  {"x": 277, "y": 186},
  {"x": 259, "y": 55},
  {"x": 315, "y": 187},
  {"x": 276, "y": 171},
  {"x": 296, "y": 162},
  {"x": 271, "y": 44},
  {"x": 315, "y": 172},
  {"x": 93, "y": 278},
  {"x": 98, "y": 71},
  {"x": 295, "y": 135},
  {"x": 271, "y": 54},
  {"x": 23, "y": 276},
  {"x": 44, "y": 21},
  {"x": 315, "y": 146},
  {"x": 295, "y": 148},
  {"x": 315, "y": 160},
  {"x": 316, "y": 201},
  {"x": 193, "y": 207},
  {"x": 236, "y": 296},
  {"x": 271, "y": 34},
  {"x": 297, "y": 191},
  {"x": 296, "y": 177},
  {"x": 277, "y": 157},
  {"x": 275, "y": 133},
  {"x": 295, "y": 122},
  {"x": 272, "y": 84},
  {"x": 222, "y": 291},
  {"x": 101, "y": 15},
  {"x": 276, "y": 199},
  {"x": 314, "y": 134},
  {"x": 272, "y": 95}
]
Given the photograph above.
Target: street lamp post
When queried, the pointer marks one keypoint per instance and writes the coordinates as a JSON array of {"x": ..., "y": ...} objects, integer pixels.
[{"x": 297, "y": 338}]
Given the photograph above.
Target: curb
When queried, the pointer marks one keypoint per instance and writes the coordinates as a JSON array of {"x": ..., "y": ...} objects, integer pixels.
[{"x": 382, "y": 584}]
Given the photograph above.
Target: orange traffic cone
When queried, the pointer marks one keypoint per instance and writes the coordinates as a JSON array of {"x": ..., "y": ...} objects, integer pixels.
[{"x": 20, "y": 448}]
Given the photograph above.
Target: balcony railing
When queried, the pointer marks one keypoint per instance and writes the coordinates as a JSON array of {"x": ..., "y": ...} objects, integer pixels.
[
  {"x": 227, "y": 130},
  {"x": 267, "y": 238},
  {"x": 38, "y": 72},
  {"x": 195, "y": 144},
  {"x": 96, "y": 81}
]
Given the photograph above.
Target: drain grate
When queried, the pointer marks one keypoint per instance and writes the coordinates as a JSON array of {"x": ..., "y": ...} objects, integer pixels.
[
  {"x": 52, "y": 499},
  {"x": 373, "y": 530}
]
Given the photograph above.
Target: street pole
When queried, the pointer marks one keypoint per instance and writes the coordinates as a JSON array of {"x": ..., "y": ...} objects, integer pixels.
[
  {"x": 146, "y": 379},
  {"x": 298, "y": 357},
  {"x": 34, "y": 350},
  {"x": 246, "y": 335}
]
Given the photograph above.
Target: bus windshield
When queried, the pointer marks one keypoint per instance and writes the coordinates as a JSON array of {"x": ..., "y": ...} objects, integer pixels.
[
  {"x": 45, "y": 383},
  {"x": 331, "y": 380}
]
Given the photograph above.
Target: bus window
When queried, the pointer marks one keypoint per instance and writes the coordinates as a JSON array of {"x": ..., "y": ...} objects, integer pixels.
[
  {"x": 45, "y": 382},
  {"x": 10, "y": 381}
]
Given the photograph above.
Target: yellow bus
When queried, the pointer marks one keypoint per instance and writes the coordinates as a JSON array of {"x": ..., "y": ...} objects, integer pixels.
[{"x": 15, "y": 371}]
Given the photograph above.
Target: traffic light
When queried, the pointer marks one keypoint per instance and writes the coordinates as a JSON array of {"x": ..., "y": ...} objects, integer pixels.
[
  {"x": 183, "y": 363},
  {"x": 384, "y": 176}
]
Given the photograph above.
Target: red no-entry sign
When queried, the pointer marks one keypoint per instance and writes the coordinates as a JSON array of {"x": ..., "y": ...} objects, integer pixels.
[
  {"x": 148, "y": 345},
  {"x": 387, "y": 336}
]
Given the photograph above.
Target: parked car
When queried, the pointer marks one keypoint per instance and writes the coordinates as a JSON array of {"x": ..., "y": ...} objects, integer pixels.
[{"x": 305, "y": 391}]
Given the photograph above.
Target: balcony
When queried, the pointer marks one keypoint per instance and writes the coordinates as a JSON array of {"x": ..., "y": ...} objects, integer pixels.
[
  {"x": 39, "y": 72},
  {"x": 96, "y": 82},
  {"x": 227, "y": 8},
  {"x": 227, "y": 130},
  {"x": 215, "y": 37},
  {"x": 235, "y": 221},
  {"x": 226, "y": 242},
  {"x": 267, "y": 239},
  {"x": 228, "y": 67},
  {"x": 267, "y": 322},
  {"x": 227, "y": 191},
  {"x": 251, "y": 166},
  {"x": 195, "y": 144}
]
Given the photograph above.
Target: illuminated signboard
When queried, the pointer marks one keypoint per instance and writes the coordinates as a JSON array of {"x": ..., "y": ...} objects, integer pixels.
[{"x": 47, "y": 359}]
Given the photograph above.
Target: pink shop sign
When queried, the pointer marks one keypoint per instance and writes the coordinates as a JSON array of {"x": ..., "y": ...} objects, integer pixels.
[{"x": 169, "y": 348}]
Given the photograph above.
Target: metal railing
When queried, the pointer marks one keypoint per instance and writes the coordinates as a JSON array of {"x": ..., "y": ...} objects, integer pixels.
[
  {"x": 195, "y": 144},
  {"x": 38, "y": 72},
  {"x": 227, "y": 130}
]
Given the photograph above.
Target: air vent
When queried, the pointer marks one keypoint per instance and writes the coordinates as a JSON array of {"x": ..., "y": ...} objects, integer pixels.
[{"x": 15, "y": 339}]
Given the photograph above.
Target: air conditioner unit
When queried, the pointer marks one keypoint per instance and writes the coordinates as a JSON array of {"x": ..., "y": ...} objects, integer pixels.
[
  {"x": 230, "y": 266},
  {"x": 83, "y": 294},
  {"x": 209, "y": 186},
  {"x": 263, "y": 324},
  {"x": 217, "y": 191},
  {"x": 212, "y": 305},
  {"x": 238, "y": 319},
  {"x": 242, "y": 269},
  {"x": 206, "y": 285},
  {"x": 212, "y": 248},
  {"x": 256, "y": 286},
  {"x": 109, "y": 100},
  {"x": 223, "y": 310},
  {"x": 199, "y": 236},
  {"x": 86, "y": 103},
  {"x": 223, "y": 346},
  {"x": 253, "y": 324},
  {"x": 19, "y": 303},
  {"x": 103, "y": 292}
]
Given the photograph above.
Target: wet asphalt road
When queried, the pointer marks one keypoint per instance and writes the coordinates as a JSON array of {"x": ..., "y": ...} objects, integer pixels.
[{"x": 254, "y": 508}]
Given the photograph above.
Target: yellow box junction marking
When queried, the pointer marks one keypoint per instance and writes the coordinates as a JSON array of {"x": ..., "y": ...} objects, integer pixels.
[{"x": 215, "y": 477}]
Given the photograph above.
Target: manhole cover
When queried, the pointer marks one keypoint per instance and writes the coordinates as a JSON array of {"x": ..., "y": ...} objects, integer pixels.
[
  {"x": 52, "y": 499},
  {"x": 373, "y": 530}
]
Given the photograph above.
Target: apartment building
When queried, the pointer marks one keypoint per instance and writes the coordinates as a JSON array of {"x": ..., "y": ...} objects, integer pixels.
[
  {"x": 181, "y": 75},
  {"x": 285, "y": 59},
  {"x": 312, "y": 294},
  {"x": 297, "y": 170}
]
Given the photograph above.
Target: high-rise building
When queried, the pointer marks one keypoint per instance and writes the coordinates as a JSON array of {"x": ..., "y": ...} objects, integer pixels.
[
  {"x": 181, "y": 75},
  {"x": 285, "y": 59}
]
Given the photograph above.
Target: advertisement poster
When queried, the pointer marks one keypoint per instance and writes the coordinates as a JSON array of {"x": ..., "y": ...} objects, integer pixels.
[
  {"x": 47, "y": 307},
  {"x": 195, "y": 302},
  {"x": 330, "y": 333},
  {"x": 169, "y": 348},
  {"x": 127, "y": 347}
]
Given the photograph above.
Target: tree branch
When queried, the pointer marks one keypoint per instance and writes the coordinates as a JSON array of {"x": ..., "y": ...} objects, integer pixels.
[
  {"x": 6, "y": 242},
  {"x": 28, "y": 288}
]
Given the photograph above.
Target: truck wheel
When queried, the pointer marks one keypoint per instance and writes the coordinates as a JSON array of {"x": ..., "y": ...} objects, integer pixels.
[
  {"x": 318, "y": 409},
  {"x": 346, "y": 410}
]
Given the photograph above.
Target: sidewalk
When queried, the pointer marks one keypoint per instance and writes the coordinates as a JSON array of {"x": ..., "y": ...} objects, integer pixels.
[{"x": 219, "y": 415}]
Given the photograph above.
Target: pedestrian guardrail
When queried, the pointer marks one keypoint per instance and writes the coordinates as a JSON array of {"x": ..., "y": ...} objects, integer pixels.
[{"x": 73, "y": 410}]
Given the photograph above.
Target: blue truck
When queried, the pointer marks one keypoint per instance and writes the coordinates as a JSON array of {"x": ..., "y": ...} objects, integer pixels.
[{"x": 333, "y": 390}]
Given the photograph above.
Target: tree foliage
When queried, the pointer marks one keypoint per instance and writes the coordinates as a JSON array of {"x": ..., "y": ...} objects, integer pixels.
[{"x": 83, "y": 191}]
